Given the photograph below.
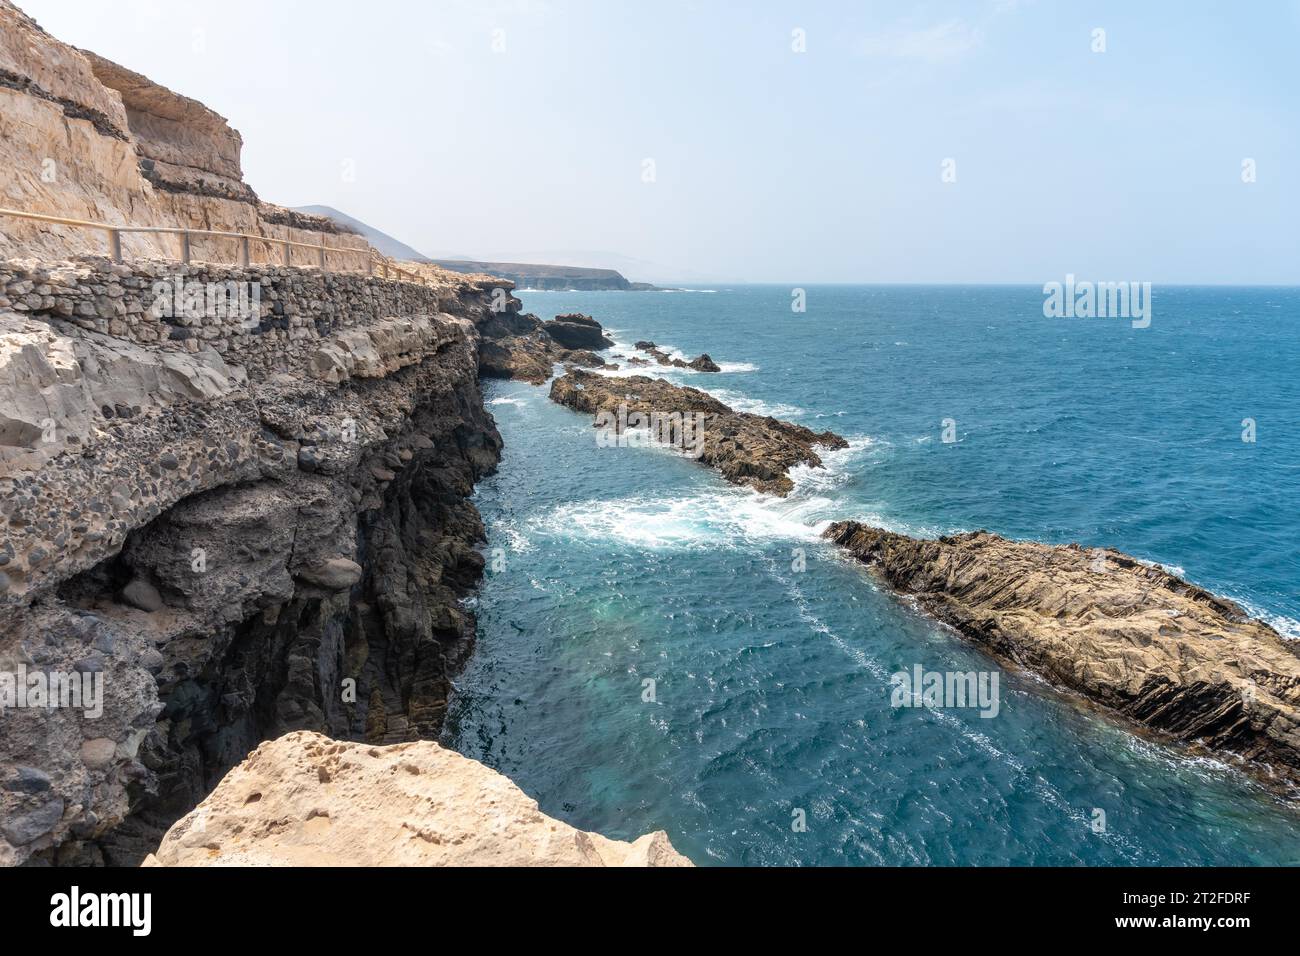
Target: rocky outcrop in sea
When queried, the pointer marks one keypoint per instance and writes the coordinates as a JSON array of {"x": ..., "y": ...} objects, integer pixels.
[
  {"x": 1130, "y": 636},
  {"x": 701, "y": 363},
  {"x": 750, "y": 450}
]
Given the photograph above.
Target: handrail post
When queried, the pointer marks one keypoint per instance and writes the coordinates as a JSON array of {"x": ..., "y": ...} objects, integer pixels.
[
  {"x": 185, "y": 247},
  {"x": 287, "y": 252},
  {"x": 243, "y": 251},
  {"x": 115, "y": 245},
  {"x": 322, "y": 257}
]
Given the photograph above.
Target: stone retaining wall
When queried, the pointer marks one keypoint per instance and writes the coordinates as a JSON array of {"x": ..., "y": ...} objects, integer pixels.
[{"x": 297, "y": 308}]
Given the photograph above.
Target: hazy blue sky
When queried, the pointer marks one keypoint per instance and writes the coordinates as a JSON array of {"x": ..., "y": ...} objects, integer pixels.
[{"x": 770, "y": 165}]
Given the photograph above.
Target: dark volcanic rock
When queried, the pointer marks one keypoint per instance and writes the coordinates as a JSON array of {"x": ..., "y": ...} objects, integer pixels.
[
  {"x": 577, "y": 331},
  {"x": 748, "y": 449},
  {"x": 1130, "y": 636},
  {"x": 305, "y": 572},
  {"x": 701, "y": 363}
]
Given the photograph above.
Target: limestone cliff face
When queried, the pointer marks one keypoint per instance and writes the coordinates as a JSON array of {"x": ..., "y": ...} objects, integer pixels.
[
  {"x": 84, "y": 138},
  {"x": 305, "y": 800}
]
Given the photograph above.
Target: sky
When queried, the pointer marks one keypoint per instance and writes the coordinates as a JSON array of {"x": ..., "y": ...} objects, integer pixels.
[{"x": 796, "y": 142}]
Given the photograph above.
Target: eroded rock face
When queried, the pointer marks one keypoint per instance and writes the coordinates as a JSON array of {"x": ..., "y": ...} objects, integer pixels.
[
  {"x": 186, "y": 146},
  {"x": 236, "y": 550},
  {"x": 748, "y": 449},
  {"x": 1128, "y": 635},
  {"x": 306, "y": 800},
  {"x": 523, "y": 347},
  {"x": 84, "y": 138}
]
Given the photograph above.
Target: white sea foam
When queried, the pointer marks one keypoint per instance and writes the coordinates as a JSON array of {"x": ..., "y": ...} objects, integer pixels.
[
  {"x": 629, "y": 350},
  {"x": 754, "y": 406},
  {"x": 507, "y": 400},
  {"x": 718, "y": 515},
  {"x": 1287, "y": 627},
  {"x": 702, "y": 520}
]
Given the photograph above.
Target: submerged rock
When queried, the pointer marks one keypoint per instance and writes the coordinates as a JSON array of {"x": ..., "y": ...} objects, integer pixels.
[
  {"x": 701, "y": 363},
  {"x": 306, "y": 800},
  {"x": 1128, "y": 635}
]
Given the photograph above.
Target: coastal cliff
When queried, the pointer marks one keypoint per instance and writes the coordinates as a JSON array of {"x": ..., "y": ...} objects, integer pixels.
[
  {"x": 235, "y": 501},
  {"x": 269, "y": 535},
  {"x": 1130, "y": 636},
  {"x": 84, "y": 138}
]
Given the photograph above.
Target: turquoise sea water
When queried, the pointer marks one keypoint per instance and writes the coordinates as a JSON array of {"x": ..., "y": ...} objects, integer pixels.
[{"x": 771, "y": 691}]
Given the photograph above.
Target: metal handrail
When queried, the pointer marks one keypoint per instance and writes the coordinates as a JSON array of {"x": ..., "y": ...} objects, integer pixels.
[{"x": 373, "y": 259}]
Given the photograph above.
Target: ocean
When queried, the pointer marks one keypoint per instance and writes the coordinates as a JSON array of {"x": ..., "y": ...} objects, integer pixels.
[{"x": 660, "y": 650}]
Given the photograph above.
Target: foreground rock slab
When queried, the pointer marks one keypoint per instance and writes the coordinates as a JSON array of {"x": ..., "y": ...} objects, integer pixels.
[
  {"x": 750, "y": 450},
  {"x": 306, "y": 800},
  {"x": 1125, "y": 634}
]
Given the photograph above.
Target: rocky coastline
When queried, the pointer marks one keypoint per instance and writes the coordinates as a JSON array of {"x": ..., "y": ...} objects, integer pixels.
[
  {"x": 750, "y": 450},
  {"x": 1131, "y": 637},
  {"x": 253, "y": 532}
]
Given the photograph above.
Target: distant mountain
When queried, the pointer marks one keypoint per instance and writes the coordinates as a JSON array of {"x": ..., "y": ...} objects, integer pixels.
[
  {"x": 527, "y": 275},
  {"x": 645, "y": 269},
  {"x": 393, "y": 248},
  {"x": 524, "y": 275}
]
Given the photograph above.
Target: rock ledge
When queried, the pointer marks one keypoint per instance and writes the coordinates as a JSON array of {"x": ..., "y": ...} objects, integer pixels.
[{"x": 306, "y": 800}]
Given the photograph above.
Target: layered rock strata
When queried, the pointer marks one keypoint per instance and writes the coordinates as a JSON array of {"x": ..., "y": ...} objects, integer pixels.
[
  {"x": 1130, "y": 636},
  {"x": 305, "y": 800},
  {"x": 750, "y": 450},
  {"x": 83, "y": 138}
]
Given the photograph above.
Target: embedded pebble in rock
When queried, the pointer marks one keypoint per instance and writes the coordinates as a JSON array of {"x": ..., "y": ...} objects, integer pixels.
[
  {"x": 143, "y": 595},
  {"x": 336, "y": 574}
]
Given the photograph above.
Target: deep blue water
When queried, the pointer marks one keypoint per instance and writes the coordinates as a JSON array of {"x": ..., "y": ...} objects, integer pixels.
[{"x": 772, "y": 689}]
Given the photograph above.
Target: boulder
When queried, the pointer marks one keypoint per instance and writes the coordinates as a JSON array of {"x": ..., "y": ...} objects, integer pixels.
[{"x": 577, "y": 331}]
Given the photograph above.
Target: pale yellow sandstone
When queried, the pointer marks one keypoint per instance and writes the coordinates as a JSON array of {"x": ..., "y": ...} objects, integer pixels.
[{"x": 307, "y": 800}]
